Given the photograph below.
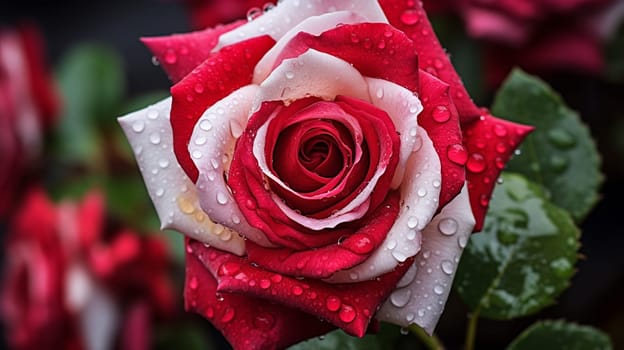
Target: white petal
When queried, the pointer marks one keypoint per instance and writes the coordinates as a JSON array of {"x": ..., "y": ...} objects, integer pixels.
[
  {"x": 313, "y": 25},
  {"x": 172, "y": 192},
  {"x": 420, "y": 191},
  {"x": 289, "y": 13},
  {"x": 211, "y": 147},
  {"x": 313, "y": 73},
  {"x": 403, "y": 107},
  {"x": 429, "y": 280}
]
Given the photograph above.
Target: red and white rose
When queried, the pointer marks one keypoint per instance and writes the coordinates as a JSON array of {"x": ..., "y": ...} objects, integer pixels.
[
  {"x": 326, "y": 164},
  {"x": 68, "y": 284},
  {"x": 28, "y": 105}
]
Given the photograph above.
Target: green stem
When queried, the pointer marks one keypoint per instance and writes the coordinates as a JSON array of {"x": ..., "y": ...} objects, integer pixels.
[
  {"x": 471, "y": 330},
  {"x": 431, "y": 342}
]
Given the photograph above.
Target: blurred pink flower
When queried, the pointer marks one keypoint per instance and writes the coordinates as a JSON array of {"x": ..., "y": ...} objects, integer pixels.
[
  {"x": 540, "y": 36},
  {"x": 28, "y": 105},
  {"x": 69, "y": 284}
]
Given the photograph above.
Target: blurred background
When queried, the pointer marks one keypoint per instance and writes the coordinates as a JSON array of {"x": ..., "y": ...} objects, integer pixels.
[{"x": 71, "y": 163}]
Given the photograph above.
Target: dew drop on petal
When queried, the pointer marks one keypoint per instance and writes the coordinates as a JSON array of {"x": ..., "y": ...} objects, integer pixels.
[
  {"x": 265, "y": 283},
  {"x": 401, "y": 297},
  {"x": 221, "y": 198},
  {"x": 448, "y": 226},
  {"x": 438, "y": 289},
  {"x": 412, "y": 222},
  {"x": 333, "y": 303},
  {"x": 347, "y": 313},
  {"x": 462, "y": 241},
  {"x": 235, "y": 128},
  {"x": 138, "y": 126},
  {"x": 155, "y": 138},
  {"x": 205, "y": 125},
  {"x": 447, "y": 267},
  {"x": 228, "y": 315},
  {"x": 410, "y": 17},
  {"x": 441, "y": 114},
  {"x": 264, "y": 321},
  {"x": 457, "y": 154},
  {"x": 476, "y": 163},
  {"x": 193, "y": 283},
  {"x": 400, "y": 257},
  {"x": 297, "y": 290}
]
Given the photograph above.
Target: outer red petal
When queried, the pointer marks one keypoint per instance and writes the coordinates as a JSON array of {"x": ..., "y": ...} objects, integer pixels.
[
  {"x": 375, "y": 49},
  {"x": 349, "y": 306},
  {"x": 325, "y": 261},
  {"x": 221, "y": 74},
  {"x": 247, "y": 322},
  {"x": 441, "y": 121},
  {"x": 179, "y": 54},
  {"x": 490, "y": 143},
  {"x": 410, "y": 17}
]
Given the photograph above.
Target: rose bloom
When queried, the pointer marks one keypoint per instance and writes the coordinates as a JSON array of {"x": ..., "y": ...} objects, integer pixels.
[
  {"x": 539, "y": 35},
  {"x": 326, "y": 164},
  {"x": 68, "y": 285},
  {"x": 28, "y": 104}
]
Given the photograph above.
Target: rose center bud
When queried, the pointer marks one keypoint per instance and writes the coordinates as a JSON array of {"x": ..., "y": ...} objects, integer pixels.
[{"x": 309, "y": 154}]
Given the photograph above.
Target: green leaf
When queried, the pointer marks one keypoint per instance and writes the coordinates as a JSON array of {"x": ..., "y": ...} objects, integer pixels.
[
  {"x": 91, "y": 80},
  {"x": 559, "y": 335},
  {"x": 524, "y": 257},
  {"x": 389, "y": 337},
  {"x": 560, "y": 154}
]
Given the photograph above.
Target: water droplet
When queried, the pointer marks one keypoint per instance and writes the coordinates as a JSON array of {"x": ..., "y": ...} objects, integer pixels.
[
  {"x": 447, "y": 267},
  {"x": 426, "y": 254},
  {"x": 441, "y": 114},
  {"x": 205, "y": 125},
  {"x": 561, "y": 139},
  {"x": 199, "y": 88},
  {"x": 253, "y": 13},
  {"x": 500, "y": 130},
  {"x": 380, "y": 93},
  {"x": 209, "y": 313},
  {"x": 333, "y": 303},
  {"x": 399, "y": 256},
  {"x": 421, "y": 313},
  {"x": 347, "y": 313},
  {"x": 155, "y": 61},
  {"x": 222, "y": 198},
  {"x": 462, "y": 241},
  {"x": 163, "y": 163},
  {"x": 392, "y": 244},
  {"x": 196, "y": 154},
  {"x": 413, "y": 132},
  {"x": 228, "y": 315},
  {"x": 185, "y": 205},
  {"x": 436, "y": 183},
  {"x": 152, "y": 114},
  {"x": 448, "y": 226},
  {"x": 457, "y": 154},
  {"x": 138, "y": 126},
  {"x": 360, "y": 243},
  {"x": 200, "y": 141},
  {"x": 290, "y": 75},
  {"x": 155, "y": 138},
  {"x": 438, "y": 289},
  {"x": 170, "y": 57},
  {"x": 297, "y": 290},
  {"x": 401, "y": 297},
  {"x": 235, "y": 128},
  {"x": 264, "y": 321},
  {"x": 422, "y": 192},
  {"x": 265, "y": 283},
  {"x": 410, "y": 317},
  {"x": 410, "y": 17},
  {"x": 417, "y": 144},
  {"x": 412, "y": 222},
  {"x": 476, "y": 163},
  {"x": 160, "y": 192},
  {"x": 193, "y": 283}
]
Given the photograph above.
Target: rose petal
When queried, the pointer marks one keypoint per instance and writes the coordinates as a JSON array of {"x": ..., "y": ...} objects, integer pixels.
[
  {"x": 325, "y": 261},
  {"x": 179, "y": 54},
  {"x": 288, "y": 13},
  {"x": 441, "y": 121},
  {"x": 348, "y": 306},
  {"x": 313, "y": 25},
  {"x": 313, "y": 73},
  {"x": 247, "y": 322},
  {"x": 376, "y": 50},
  {"x": 211, "y": 147},
  {"x": 410, "y": 17},
  {"x": 487, "y": 157},
  {"x": 403, "y": 107},
  {"x": 221, "y": 74},
  {"x": 172, "y": 192},
  {"x": 419, "y": 193},
  {"x": 422, "y": 293}
]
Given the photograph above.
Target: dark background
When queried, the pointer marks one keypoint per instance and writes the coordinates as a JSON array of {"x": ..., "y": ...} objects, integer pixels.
[{"x": 596, "y": 294}]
